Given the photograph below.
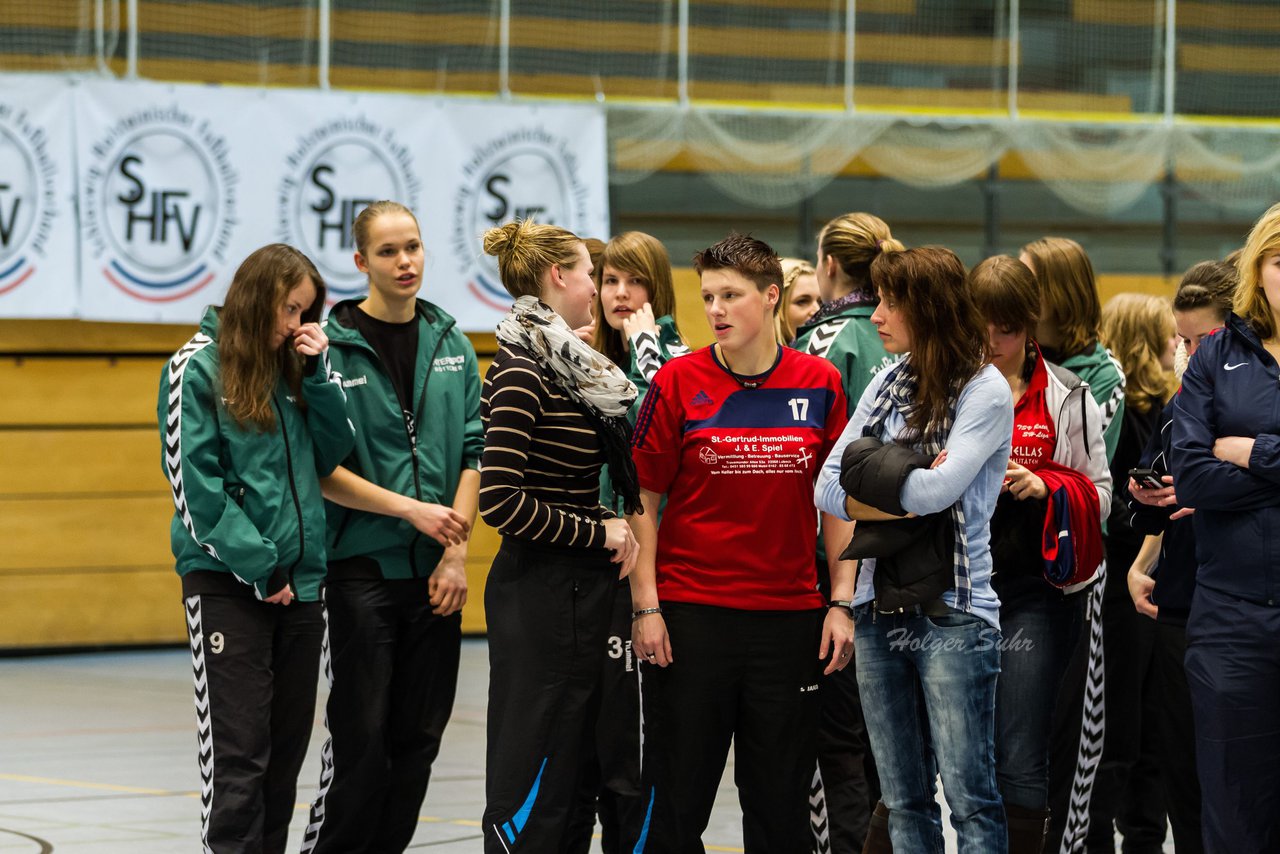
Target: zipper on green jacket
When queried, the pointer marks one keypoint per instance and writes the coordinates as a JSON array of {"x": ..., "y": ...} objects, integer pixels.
[
  {"x": 293, "y": 488},
  {"x": 410, "y": 437},
  {"x": 413, "y": 440}
]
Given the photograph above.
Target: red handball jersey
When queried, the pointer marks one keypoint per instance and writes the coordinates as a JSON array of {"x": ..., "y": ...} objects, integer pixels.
[
  {"x": 738, "y": 465},
  {"x": 1034, "y": 433}
]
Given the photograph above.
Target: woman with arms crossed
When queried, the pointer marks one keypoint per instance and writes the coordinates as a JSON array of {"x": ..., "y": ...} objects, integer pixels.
[
  {"x": 1226, "y": 464},
  {"x": 725, "y": 592},
  {"x": 931, "y": 704},
  {"x": 554, "y": 412},
  {"x": 251, "y": 417},
  {"x": 401, "y": 507}
]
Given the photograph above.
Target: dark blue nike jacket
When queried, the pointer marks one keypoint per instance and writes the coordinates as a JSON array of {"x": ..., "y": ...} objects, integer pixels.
[{"x": 1232, "y": 388}]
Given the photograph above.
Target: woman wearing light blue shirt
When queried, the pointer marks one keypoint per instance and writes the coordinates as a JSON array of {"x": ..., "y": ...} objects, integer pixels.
[{"x": 927, "y": 671}]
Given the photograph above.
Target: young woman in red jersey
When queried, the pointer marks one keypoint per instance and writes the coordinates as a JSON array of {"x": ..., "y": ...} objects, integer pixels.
[{"x": 725, "y": 588}]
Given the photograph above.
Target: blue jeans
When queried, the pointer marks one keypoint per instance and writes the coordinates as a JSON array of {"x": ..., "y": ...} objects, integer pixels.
[
  {"x": 928, "y": 688},
  {"x": 1041, "y": 627}
]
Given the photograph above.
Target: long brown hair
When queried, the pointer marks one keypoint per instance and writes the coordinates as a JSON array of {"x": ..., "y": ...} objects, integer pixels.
[
  {"x": 948, "y": 335},
  {"x": 1006, "y": 294},
  {"x": 249, "y": 368},
  {"x": 644, "y": 257},
  {"x": 1068, "y": 290}
]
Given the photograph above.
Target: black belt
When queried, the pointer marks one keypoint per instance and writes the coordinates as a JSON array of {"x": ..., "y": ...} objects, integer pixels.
[{"x": 932, "y": 608}]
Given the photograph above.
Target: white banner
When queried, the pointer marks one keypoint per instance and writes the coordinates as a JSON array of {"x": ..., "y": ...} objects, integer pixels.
[
  {"x": 501, "y": 162},
  {"x": 37, "y": 202},
  {"x": 343, "y": 153},
  {"x": 176, "y": 185}
]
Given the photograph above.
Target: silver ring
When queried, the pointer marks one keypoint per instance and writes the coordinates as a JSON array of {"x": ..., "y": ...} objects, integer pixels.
[{"x": 652, "y": 655}]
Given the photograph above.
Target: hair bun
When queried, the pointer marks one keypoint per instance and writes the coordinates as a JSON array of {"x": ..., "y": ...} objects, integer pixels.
[{"x": 502, "y": 239}]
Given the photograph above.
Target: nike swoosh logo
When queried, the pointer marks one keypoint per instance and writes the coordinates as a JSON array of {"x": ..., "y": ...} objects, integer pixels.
[{"x": 1227, "y": 367}]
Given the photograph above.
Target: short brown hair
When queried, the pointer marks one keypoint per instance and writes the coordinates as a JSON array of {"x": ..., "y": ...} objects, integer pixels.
[
  {"x": 1006, "y": 294},
  {"x": 526, "y": 249},
  {"x": 749, "y": 257},
  {"x": 1068, "y": 291}
]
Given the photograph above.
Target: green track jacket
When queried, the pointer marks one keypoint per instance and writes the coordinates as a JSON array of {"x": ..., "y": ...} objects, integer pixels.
[
  {"x": 450, "y": 437},
  {"x": 849, "y": 341},
  {"x": 248, "y": 503}
]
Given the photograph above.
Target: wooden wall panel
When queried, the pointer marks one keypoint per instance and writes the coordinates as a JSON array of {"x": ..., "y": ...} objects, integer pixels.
[
  {"x": 62, "y": 535},
  {"x": 137, "y": 605},
  {"x": 48, "y": 462},
  {"x": 81, "y": 391}
]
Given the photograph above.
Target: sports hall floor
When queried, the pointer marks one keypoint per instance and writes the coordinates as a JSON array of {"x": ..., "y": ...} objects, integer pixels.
[{"x": 97, "y": 755}]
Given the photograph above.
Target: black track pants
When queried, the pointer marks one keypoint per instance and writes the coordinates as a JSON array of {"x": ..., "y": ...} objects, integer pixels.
[
  {"x": 547, "y": 611},
  {"x": 747, "y": 677},
  {"x": 393, "y": 671},
  {"x": 256, "y": 668},
  {"x": 613, "y": 783}
]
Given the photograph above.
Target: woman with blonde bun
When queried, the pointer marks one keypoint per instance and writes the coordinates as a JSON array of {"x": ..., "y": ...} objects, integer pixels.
[{"x": 554, "y": 412}]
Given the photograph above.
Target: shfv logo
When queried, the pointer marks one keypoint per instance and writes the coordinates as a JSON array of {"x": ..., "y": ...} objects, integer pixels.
[
  {"x": 160, "y": 201},
  {"x": 26, "y": 196},
  {"x": 160, "y": 204},
  {"x": 526, "y": 174},
  {"x": 335, "y": 172}
]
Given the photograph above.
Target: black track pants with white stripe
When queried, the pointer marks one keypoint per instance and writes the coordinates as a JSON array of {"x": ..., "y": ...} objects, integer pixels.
[
  {"x": 256, "y": 667},
  {"x": 393, "y": 668},
  {"x": 547, "y": 611}
]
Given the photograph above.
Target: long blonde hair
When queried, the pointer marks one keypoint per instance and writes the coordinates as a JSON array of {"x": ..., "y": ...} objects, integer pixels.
[
  {"x": 1250, "y": 299},
  {"x": 1136, "y": 328},
  {"x": 792, "y": 270}
]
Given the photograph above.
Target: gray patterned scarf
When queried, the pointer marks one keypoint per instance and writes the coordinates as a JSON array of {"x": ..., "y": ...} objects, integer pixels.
[{"x": 589, "y": 378}]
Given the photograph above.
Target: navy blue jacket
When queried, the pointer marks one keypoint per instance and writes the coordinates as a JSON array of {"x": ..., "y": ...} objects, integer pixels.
[
  {"x": 1232, "y": 388},
  {"x": 1176, "y": 571}
]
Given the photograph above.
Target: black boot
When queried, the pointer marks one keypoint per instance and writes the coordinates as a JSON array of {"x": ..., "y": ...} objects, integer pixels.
[
  {"x": 1028, "y": 829},
  {"x": 878, "y": 841}
]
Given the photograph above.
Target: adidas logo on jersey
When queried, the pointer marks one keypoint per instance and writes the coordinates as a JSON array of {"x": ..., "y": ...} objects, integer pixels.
[{"x": 701, "y": 399}]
